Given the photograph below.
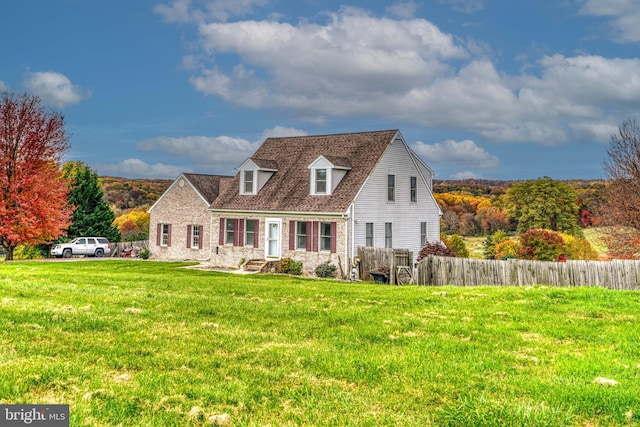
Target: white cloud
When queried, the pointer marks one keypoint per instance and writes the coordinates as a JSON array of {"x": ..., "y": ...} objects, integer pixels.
[
  {"x": 624, "y": 14},
  {"x": 465, "y": 6},
  {"x": 464, "y": 154},
  {"x": 465, "y": 175},
  {"x": 54, "y": 88},
  {"x": 219, "y": 154},
  {"x": 136, "y": 168},
  {"x": 197, "y": 11},
  {"x": 408, "y": 70},
  {"x": 3, "y": 86},
  {"x": 405, "y": 9}
]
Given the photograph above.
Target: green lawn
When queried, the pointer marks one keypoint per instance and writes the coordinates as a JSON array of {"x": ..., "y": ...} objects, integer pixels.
[{"x": 136, "y": 343}]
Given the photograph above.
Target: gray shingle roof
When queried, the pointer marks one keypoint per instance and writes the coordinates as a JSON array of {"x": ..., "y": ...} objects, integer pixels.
[
  {"x": 288, "y": 189},
  {"x": 207, "y": 185}
]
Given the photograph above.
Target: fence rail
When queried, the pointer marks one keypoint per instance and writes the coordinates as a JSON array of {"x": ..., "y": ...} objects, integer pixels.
[
  {"x": 371, "y": 259},
  {"x": 616, "y": 274}
]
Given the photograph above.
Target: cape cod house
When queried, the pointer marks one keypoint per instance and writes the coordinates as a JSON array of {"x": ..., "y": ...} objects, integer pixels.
[{"x": 309, "y": 198}]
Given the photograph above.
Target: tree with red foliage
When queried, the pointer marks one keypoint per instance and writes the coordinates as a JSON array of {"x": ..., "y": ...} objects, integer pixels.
[
  {"x": 33, "y": 194},
  {"x": 541, "y": 245}
]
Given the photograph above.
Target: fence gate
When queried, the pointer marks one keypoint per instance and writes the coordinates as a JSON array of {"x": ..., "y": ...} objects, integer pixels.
[{"x": 398, "y": 261}]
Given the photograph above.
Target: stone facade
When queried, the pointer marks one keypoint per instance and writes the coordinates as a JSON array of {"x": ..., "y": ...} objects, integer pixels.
[
  {"x": 181, "y": 206},
  {"x": 228, "y": 255}
]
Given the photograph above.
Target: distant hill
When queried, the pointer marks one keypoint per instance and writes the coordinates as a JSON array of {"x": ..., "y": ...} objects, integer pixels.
[{"x": 124, "y": 194}]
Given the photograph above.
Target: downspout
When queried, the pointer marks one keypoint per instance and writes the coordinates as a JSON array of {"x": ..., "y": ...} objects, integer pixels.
[
  {"x": 210, "y": 239},
  {"x": 353, "y": 231}
]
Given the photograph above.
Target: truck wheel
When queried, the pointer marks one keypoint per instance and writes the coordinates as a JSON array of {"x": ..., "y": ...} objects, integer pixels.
[
  {"x": 66, "y": 253},
  {"x": 99, "y": 253}
]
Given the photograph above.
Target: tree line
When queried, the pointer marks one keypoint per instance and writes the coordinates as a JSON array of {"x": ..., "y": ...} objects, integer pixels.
[{"x": 43, "y": 200}]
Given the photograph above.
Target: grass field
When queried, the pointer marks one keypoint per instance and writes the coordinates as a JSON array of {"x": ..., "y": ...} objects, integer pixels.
[{"x": 135, "y": 343}]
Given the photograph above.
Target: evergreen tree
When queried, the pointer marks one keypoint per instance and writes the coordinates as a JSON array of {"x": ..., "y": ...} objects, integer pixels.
[{"x": 92, "y": 216}]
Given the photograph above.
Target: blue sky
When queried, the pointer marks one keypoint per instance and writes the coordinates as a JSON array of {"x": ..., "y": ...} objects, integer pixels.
[{"x": 480, "y": 89}]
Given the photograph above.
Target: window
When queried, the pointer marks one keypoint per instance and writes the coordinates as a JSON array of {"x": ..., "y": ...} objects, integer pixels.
[
  {"x": 388, "y": 235},
  {"x": 321, "y": 181},
  {"x": 164, "y": 239},
  {"x": 325, "y": 236},
  {"x": 414, "y": 189},
  {"x": 229, "y": 231},
  {"x": 368, "y": 234},
  {"x": 301, "y": 235},
  {"x": 248, "y": 182},
  {"x": 423, "y": 234},
  {"x": 249, "y": 233},
  {"x": 195, "y": 236},
  {"x": 391, "y": 188}
]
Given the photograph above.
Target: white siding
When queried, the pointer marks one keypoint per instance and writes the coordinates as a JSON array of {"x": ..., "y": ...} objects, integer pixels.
[{"x": 371, "y": 204}]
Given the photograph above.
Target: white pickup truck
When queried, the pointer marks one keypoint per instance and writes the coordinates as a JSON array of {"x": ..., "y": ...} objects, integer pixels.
[{"x": 87, "y": 246}]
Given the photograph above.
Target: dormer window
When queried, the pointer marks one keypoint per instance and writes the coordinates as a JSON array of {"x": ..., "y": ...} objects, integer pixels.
[
  {"x": 254, "y": 174},
  {"x": 321, "y": 181},
  {"x": 326, "y": 174},
  {"x": 248, "y": 182}
]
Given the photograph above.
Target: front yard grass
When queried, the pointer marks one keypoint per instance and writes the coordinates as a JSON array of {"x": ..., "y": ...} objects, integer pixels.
[{"x": 150, "y": 344}]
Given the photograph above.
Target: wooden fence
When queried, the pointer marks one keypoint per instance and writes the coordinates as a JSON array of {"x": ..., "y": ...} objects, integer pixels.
[
  {"x": 398, "y": 261},
  {"x": 616, "y": 274},
  {"x": 128, "y": 249}
]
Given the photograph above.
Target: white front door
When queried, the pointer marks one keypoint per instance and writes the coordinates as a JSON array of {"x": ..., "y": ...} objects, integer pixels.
[{"x": 273, "y": 231}]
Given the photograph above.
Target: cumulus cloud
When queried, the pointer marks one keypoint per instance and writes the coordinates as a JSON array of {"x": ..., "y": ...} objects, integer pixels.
[
  {"x": 219, "y": 154},
  {"x": 54, "y": 88},
  {"x": 407, "y": 70},
  {"x": 403, "y": 9},
  {"x": 463, "y": 154},
  {"x": 136, "y": 168},
  {"x": 197, "y": 11},
  {"x": 624, "y": 15}
]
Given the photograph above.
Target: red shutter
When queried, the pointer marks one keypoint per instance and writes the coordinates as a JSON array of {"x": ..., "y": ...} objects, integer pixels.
[
  {"x": 189, "y": 236},
  {"x": 309, "y": 235},
  {"x": 314, "y": 243},
  {"x": 292, "y": 235},
  {"x": 221, "y": 232},
  {"x": 201, "y": 235},
  {"x": 158, "y": 234},
  {"x": 332, "y": 243},
  {"x": 169, "y": 236},
  {"x": 241, "y": 230},
  {"x": 256, "y": 236}
]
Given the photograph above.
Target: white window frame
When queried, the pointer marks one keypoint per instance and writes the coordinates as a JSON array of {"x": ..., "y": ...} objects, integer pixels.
[
  {"x": 195, "y": 236},
  {"x": 324, "y": 240},
  {"x": 413, "y": 192},
  {"x": 391, "y": 189},
  {"x": 164, "y": 235},
  {"x": 388, "y": 235},
  {"x": 245, "y": 175},
  {"x": 300, "y": 224},
  {"x": 368, "y": 226}
]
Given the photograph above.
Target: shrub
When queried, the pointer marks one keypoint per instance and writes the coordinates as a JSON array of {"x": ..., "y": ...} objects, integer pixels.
[
  {"x": 437, "y": 249},
  {"x": 506, "y": 249},
  {"x": 457, "y": 245},
  {"x": 542, "y": 245},
  {"x": 492, "y": 241},
  {"x": 290, "y": 266},
  {"x": 145, "y": 254},
  {"x": 326, "y": 269},
  {"x": 29, "y": 252},
  {"x": 578, "y": 248}
]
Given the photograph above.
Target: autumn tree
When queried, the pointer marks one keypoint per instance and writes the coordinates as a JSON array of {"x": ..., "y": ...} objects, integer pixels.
[
  {"x": 133, "y": 225},
  {"x": 544, "y": 204},
  {"x": 620, "y": 208},
  {"x": 92, "y": 216},
  {"x": 33, "y": 193}
]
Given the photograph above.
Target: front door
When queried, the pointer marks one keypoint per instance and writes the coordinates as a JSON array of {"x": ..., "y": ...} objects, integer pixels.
[{"x": 273, "y": 231}]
